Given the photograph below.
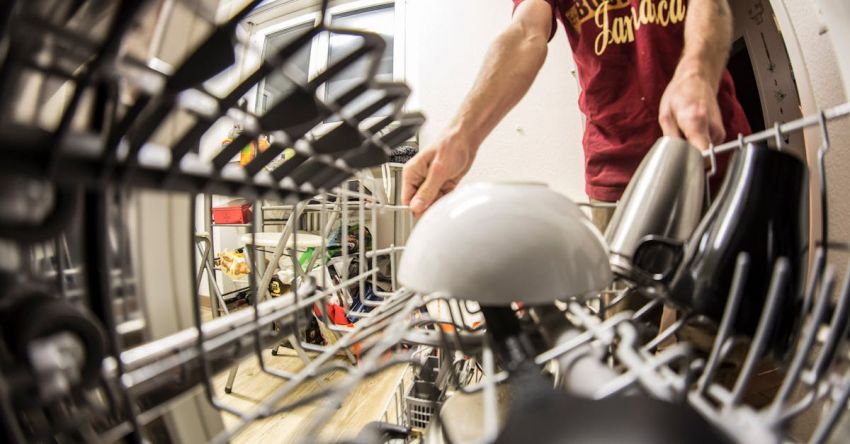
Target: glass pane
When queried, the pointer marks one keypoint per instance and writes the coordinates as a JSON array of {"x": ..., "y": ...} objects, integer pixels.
[
  {"x": 380, "y": 20},
  {"x": 276, "y": 84}
]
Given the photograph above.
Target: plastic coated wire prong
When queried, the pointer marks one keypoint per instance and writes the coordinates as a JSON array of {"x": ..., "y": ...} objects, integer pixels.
[
  {"x": 368, "y": 363},
  {"x": 626, "y": 353},
  {"x": 816, "y": 276},
  {"x": 130, "y": 406},
  {"x": 266, "y": 406},
  {"x": 361, "y": 239},
  {"x": 839, "y": 408},
  {"x": 666, "y": 334},
  {"x": 768, "y": 318},
  {"x": 730, "y": 313},
  {"x": 712, "y": 162},
  {"x": 327, "y": 223},
  {"x": 374, "y": 215},
  {"x": 649, "y": 306},
  {"x": 342, "y": 198},
  {"x": 824, "y": 199},
  {"x": 620, "y": 295},
  {"x": 777, "y": 132},
  {"x": 121, "y": 23},
  {"x": 711, "y": 173},
  {"x": 590, "y": 332},
  {"x": 258, "y": 292},
  {"x": 804, "y": 346},
  {"x": 628, "y": 379},
  {"x": 837, "y": 332},
  {"x": 209, "y": 391}
]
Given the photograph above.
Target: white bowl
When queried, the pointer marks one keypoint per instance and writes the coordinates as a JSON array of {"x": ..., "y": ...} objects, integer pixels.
[{"x": 498, "y": 243}]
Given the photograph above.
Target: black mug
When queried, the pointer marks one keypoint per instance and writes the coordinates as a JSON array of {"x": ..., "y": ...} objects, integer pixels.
[{"x": 762, "y": 210}]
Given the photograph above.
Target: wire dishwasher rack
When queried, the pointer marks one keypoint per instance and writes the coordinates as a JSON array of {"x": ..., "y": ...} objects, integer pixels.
[{"x": 98, "y": 229}]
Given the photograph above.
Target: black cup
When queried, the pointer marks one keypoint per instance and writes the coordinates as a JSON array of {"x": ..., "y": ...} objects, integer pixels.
[{"x": 762, "y": 210}]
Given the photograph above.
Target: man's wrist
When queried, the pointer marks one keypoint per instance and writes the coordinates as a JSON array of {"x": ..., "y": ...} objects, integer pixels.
[
  {"x": 459, "y": 137},
  {"x": 697, "y": 69}
]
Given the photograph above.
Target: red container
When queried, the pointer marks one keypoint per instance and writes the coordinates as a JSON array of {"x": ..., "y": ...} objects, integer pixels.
[{"x": 232, "y": 214}]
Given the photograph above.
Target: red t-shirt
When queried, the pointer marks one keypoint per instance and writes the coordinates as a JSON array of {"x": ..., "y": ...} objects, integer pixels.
[{"x": 626, "y": 52}]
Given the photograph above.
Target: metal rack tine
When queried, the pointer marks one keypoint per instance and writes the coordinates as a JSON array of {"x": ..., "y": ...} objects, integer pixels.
[
  {"x": 795, "y": 125},
  {"x": 730, "y": 313},
  {"x": 805, "y": 344},
  {"x": 824, "y": 199},
  {"x": 200, "y": 340},
  {"x": 121, "y": 23},
  {"x": 777, "y": 132},
  {"x": 192, "y": 136},
  {"x": 212, "y": 56},
  {"x": 838, "y": 327},
  {"x": 368, "y": 364},
  {"x": 201, "y": 64},
  {"x": 617, "y": 386},
  {"x": 361, "y": 240},
  {"x": 816, "y": 277},
  {"x": 117, "y": 343},
  {"x": 323, "y": 14},
  {"x": 830, "y": 419},
  {"x": 259, "y": 294},
  {"x": 641, "y": 312},
  {"x": 591, "y": 332},
  {"x": 713, "y": 161},
  {"x": 206, "y": 268},
  {"x": 768, "y": 318},
  {"x": 663, "y": 336}
]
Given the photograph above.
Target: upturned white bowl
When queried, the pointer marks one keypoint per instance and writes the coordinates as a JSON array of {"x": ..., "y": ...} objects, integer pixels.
[{"x": 498, "y": 243}]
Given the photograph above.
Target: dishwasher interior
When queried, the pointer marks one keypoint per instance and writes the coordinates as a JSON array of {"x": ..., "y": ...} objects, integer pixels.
[{"x": 105, "y": 340}]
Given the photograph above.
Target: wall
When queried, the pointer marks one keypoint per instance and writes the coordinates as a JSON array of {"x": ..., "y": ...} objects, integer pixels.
[{"x": 540, "y": 140}]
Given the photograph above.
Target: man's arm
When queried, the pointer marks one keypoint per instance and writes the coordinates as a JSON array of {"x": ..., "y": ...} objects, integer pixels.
[
  {"x": 689, "y": 104},
  {"x": 510, "y": 66}
]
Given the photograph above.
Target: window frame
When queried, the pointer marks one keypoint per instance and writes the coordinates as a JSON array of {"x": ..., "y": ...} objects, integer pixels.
[{"x": 320, "y": 50}]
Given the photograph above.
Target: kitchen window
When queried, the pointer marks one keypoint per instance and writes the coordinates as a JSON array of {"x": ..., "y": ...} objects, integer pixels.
[{"x": 379, "y": 16}]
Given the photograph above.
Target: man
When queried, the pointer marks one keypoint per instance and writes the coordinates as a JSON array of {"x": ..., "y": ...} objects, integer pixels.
[{"x": 646, "y": 68}]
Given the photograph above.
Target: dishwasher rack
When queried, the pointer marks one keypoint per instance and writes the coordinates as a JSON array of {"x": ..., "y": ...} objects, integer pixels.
[
  {"x": 111, "y": 380},
  {"x": 84, "y": 357}
]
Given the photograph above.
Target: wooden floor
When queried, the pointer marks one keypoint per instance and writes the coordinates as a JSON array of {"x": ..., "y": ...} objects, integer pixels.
[{"x": 366, "y": 403}]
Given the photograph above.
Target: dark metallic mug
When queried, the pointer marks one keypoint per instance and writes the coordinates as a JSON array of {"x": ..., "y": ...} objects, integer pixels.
[{"x": 761, "y": 210}]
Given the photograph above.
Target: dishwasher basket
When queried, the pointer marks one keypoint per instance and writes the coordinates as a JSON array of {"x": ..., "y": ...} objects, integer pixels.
[{"x": 104, "y": 337}]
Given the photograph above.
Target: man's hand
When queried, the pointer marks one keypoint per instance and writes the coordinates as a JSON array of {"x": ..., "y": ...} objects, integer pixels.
[
  {"x": 435, "y": 172},
  {"x": 689, "y": 106},
  {"x": 510, "y": 66},
  {"x": 689, "y": 109}
]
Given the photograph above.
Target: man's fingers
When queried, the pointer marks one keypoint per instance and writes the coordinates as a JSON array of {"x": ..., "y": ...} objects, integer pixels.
[
  {"x": 699, "y": 140},
  {"x": 695, "y": 128},
  {"x": 429, "y": 189},
  {"x": 668, "y": 125},
  {"x": 413, "y": 175},
  {"x": 716, "y": 130}
]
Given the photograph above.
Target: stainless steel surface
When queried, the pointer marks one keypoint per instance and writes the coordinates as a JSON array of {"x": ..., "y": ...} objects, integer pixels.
[{"x": 664, "y": 197}]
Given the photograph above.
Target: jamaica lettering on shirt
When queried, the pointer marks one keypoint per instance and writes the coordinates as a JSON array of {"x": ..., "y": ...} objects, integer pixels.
[{"x": 621, "y": 29}]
